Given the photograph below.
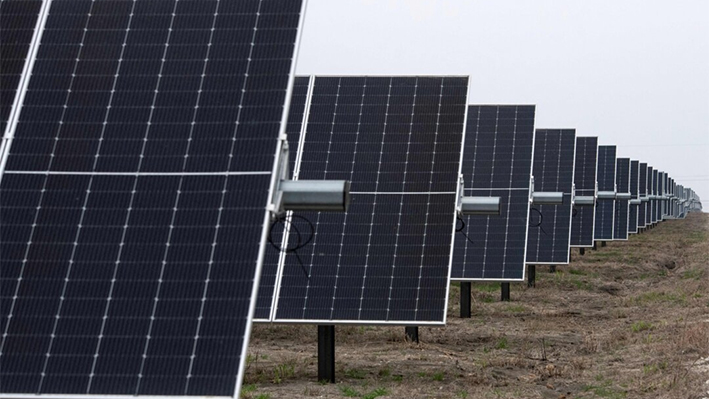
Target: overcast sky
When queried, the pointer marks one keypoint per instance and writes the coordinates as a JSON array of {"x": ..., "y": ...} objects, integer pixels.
[{"x": 635, "y": 73}]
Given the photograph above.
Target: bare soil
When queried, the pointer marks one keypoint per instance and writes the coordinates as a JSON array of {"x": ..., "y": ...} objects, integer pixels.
[{"x": 630, "y": 320}]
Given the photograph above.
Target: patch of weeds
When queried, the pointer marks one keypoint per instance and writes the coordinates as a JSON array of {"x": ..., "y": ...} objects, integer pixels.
[
  {"x": 653, "y": 368},
  {"x": 422, "y": 374},
  {"x": 356, "y": 374},
  {"x": 263, "y": 396},
  {"x": 462, "y": 394},
  {"x": 376, "y": 393},
  {"x": 487, "y": 299},
  {"x": 577, "y": 272},
  {"x": 349, "y": 392},
  {"x": 248, "y": 389},
  {"x": 282, "y": 372},
  {"x": 385, "y": 372},
  {"x": 605, "y": 390},
  {"x": 438, "y": 376},
  {"x": 641, "y": 326},
  {"x": 693, "y": 274},
  {"x": 502, "y": 343},
  {"x": 515, "y": 308},
  {"x": 650, "y": 297},
  {"x": 696, "y": 237},
  {"x": 397, "y": 378},
  {"x": 487, "y": 287},
  {"x": 580, "y": 284}
]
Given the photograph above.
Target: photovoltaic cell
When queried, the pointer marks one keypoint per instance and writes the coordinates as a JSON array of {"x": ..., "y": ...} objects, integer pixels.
[
  {"x": 387, "y": 260},
  {"x": 621, "y": 217},
  {"x": 497, "y": 161},
  {"x": 18, "y": 19},
  {"x": 133, "y": 203},
  {"x": 634, "y": 196},
  {"x": 553, "y": 170},
  {"x": 582, "y": 221},
  {"x": 605, "y": 208}
]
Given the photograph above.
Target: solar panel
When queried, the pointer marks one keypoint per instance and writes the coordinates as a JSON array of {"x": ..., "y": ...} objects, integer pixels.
[
  {"x": 582, "y": 221},
  {"x": 655, "y": 192},
  {"x": 497, "y": 162},
  {"x": 134, "y": 200},
  {"x": 620, "y": 219},
  {"x": 663, "y": 208},
  {"x": 642, "y": 186},
  {"x": 301, "y": 89},
  {"x": 605, "y": 208},
  {"x": 387, "y": 260},
  {"x": 634, "y": 196},
  {"x": 650, "y": 202},
  {"x": 553, "y": 170}
]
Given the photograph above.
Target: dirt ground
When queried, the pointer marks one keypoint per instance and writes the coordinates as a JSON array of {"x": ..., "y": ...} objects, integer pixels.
[{"x": 630, "y": 320}]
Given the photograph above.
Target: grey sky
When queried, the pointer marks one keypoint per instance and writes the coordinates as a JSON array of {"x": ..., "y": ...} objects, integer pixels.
[{"x": 633, "y": 72}]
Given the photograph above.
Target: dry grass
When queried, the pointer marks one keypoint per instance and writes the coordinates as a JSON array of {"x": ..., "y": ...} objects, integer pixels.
[{"x": 630, "y": 320}]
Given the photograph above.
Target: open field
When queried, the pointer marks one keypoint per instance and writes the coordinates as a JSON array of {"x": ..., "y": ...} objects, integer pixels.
[{"x": 630, "y": 320}]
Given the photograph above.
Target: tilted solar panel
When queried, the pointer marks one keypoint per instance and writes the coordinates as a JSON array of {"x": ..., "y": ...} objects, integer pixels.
[
  {"x": 605, "y": 208},
  {"x": 655, "y": 211},
  {"x": 497, "y": 161},
  {"x": 650, "y": 202},
  {"x": 387, "y": 260},
  {"x": 553, "y": 170},
  {"x": 134, "y": 199},
  {"x": 642, "y": 187},
  {"x": 634, "y": 196},
  {"x": 582, "y": 221},
  {"x": 621, "y": 217}
]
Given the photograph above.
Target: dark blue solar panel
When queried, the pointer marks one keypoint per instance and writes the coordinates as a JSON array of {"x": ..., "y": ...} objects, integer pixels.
[
  {"x": 655, "y": 212},
  {"x": 270, "y": 264},
  {"x": 642, "y": 186},
  {"x": 17, "y": 25},
  {"x": 650, "y": 191},
  {"x": 497, "y": 161},
  {"x": 398, "y": 140},
  {"x": 634, "y": 195},
  {"x": 141, "y": 283},
  {"x": 582, "y": 221},
  {"x": 553, "y": 171},
  {"x": 605, "y": 208},
  {"x": 622, "y": 211}
]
